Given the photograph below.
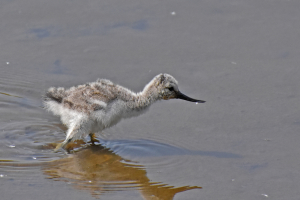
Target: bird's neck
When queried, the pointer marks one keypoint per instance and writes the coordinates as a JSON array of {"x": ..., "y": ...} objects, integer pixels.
[{"x": 147, "y": 97}]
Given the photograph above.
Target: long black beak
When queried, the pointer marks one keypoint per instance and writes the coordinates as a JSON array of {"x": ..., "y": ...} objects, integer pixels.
[{"x": 179, "y": 95}]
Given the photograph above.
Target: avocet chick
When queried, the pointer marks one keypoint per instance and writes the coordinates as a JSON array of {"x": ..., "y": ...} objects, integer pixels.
[{"x": 93, "y": 107}]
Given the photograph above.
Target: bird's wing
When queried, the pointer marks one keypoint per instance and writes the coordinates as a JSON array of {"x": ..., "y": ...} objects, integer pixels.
[{"x": 88, "y": 98}]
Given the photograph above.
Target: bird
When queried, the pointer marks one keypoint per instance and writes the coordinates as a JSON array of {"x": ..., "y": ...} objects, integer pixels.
[{"x": 92, "y": 107}]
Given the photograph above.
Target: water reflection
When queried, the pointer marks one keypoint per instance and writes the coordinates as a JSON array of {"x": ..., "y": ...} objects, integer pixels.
[{"x": 99, "y": 170}]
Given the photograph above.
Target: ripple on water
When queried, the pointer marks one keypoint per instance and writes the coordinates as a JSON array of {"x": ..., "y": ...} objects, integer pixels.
[
  {"x": 151, "y": 153},
  {"x": 24, "y": 127}
]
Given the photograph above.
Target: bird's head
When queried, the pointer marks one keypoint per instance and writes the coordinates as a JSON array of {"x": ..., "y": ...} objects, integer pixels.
[{"x": 167, "y": 87}]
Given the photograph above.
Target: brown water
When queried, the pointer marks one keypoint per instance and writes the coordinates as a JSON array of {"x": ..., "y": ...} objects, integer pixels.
[{"x": 242, "y": 57}]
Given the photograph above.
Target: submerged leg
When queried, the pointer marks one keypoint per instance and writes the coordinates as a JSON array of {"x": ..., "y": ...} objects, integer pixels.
[
  {"x": 62, "y": 145},
  {"x": 93, "y": 138},
  {"x": 70, "y": 134}
]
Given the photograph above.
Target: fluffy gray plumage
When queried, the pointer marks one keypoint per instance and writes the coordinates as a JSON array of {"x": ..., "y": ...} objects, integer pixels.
[{"x": 92, "y": 107}]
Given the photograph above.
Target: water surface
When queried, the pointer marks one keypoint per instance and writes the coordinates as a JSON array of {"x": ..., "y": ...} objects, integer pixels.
[{"x": 239, "y": 56}]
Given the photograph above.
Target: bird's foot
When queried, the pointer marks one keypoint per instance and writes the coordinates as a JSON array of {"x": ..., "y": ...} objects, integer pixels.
[
  {"x": 58, "y": 147},
  {"x": 93, "y": 138},
  {"x": 61, "y": 145}
]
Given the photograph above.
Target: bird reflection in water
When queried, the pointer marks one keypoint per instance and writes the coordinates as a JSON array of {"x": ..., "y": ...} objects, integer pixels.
[{"x": 99, "y": 170}]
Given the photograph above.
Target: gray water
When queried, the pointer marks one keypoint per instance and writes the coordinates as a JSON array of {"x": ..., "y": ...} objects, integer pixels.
[{"x": 242, "y": 57}]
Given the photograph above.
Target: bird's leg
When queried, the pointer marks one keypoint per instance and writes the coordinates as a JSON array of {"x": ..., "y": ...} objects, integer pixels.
[
  {"x": 93, "y": 138},
  {"x": 62, "y": 145},
  {"x": 70, "y": 134}
]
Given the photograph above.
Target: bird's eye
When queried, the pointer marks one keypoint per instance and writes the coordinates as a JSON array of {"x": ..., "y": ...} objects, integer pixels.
[{"x": 171, "y": 88}]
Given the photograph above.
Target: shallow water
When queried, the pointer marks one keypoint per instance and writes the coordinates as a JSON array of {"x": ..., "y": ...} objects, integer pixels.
[{"x": 239, "y": 56}]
